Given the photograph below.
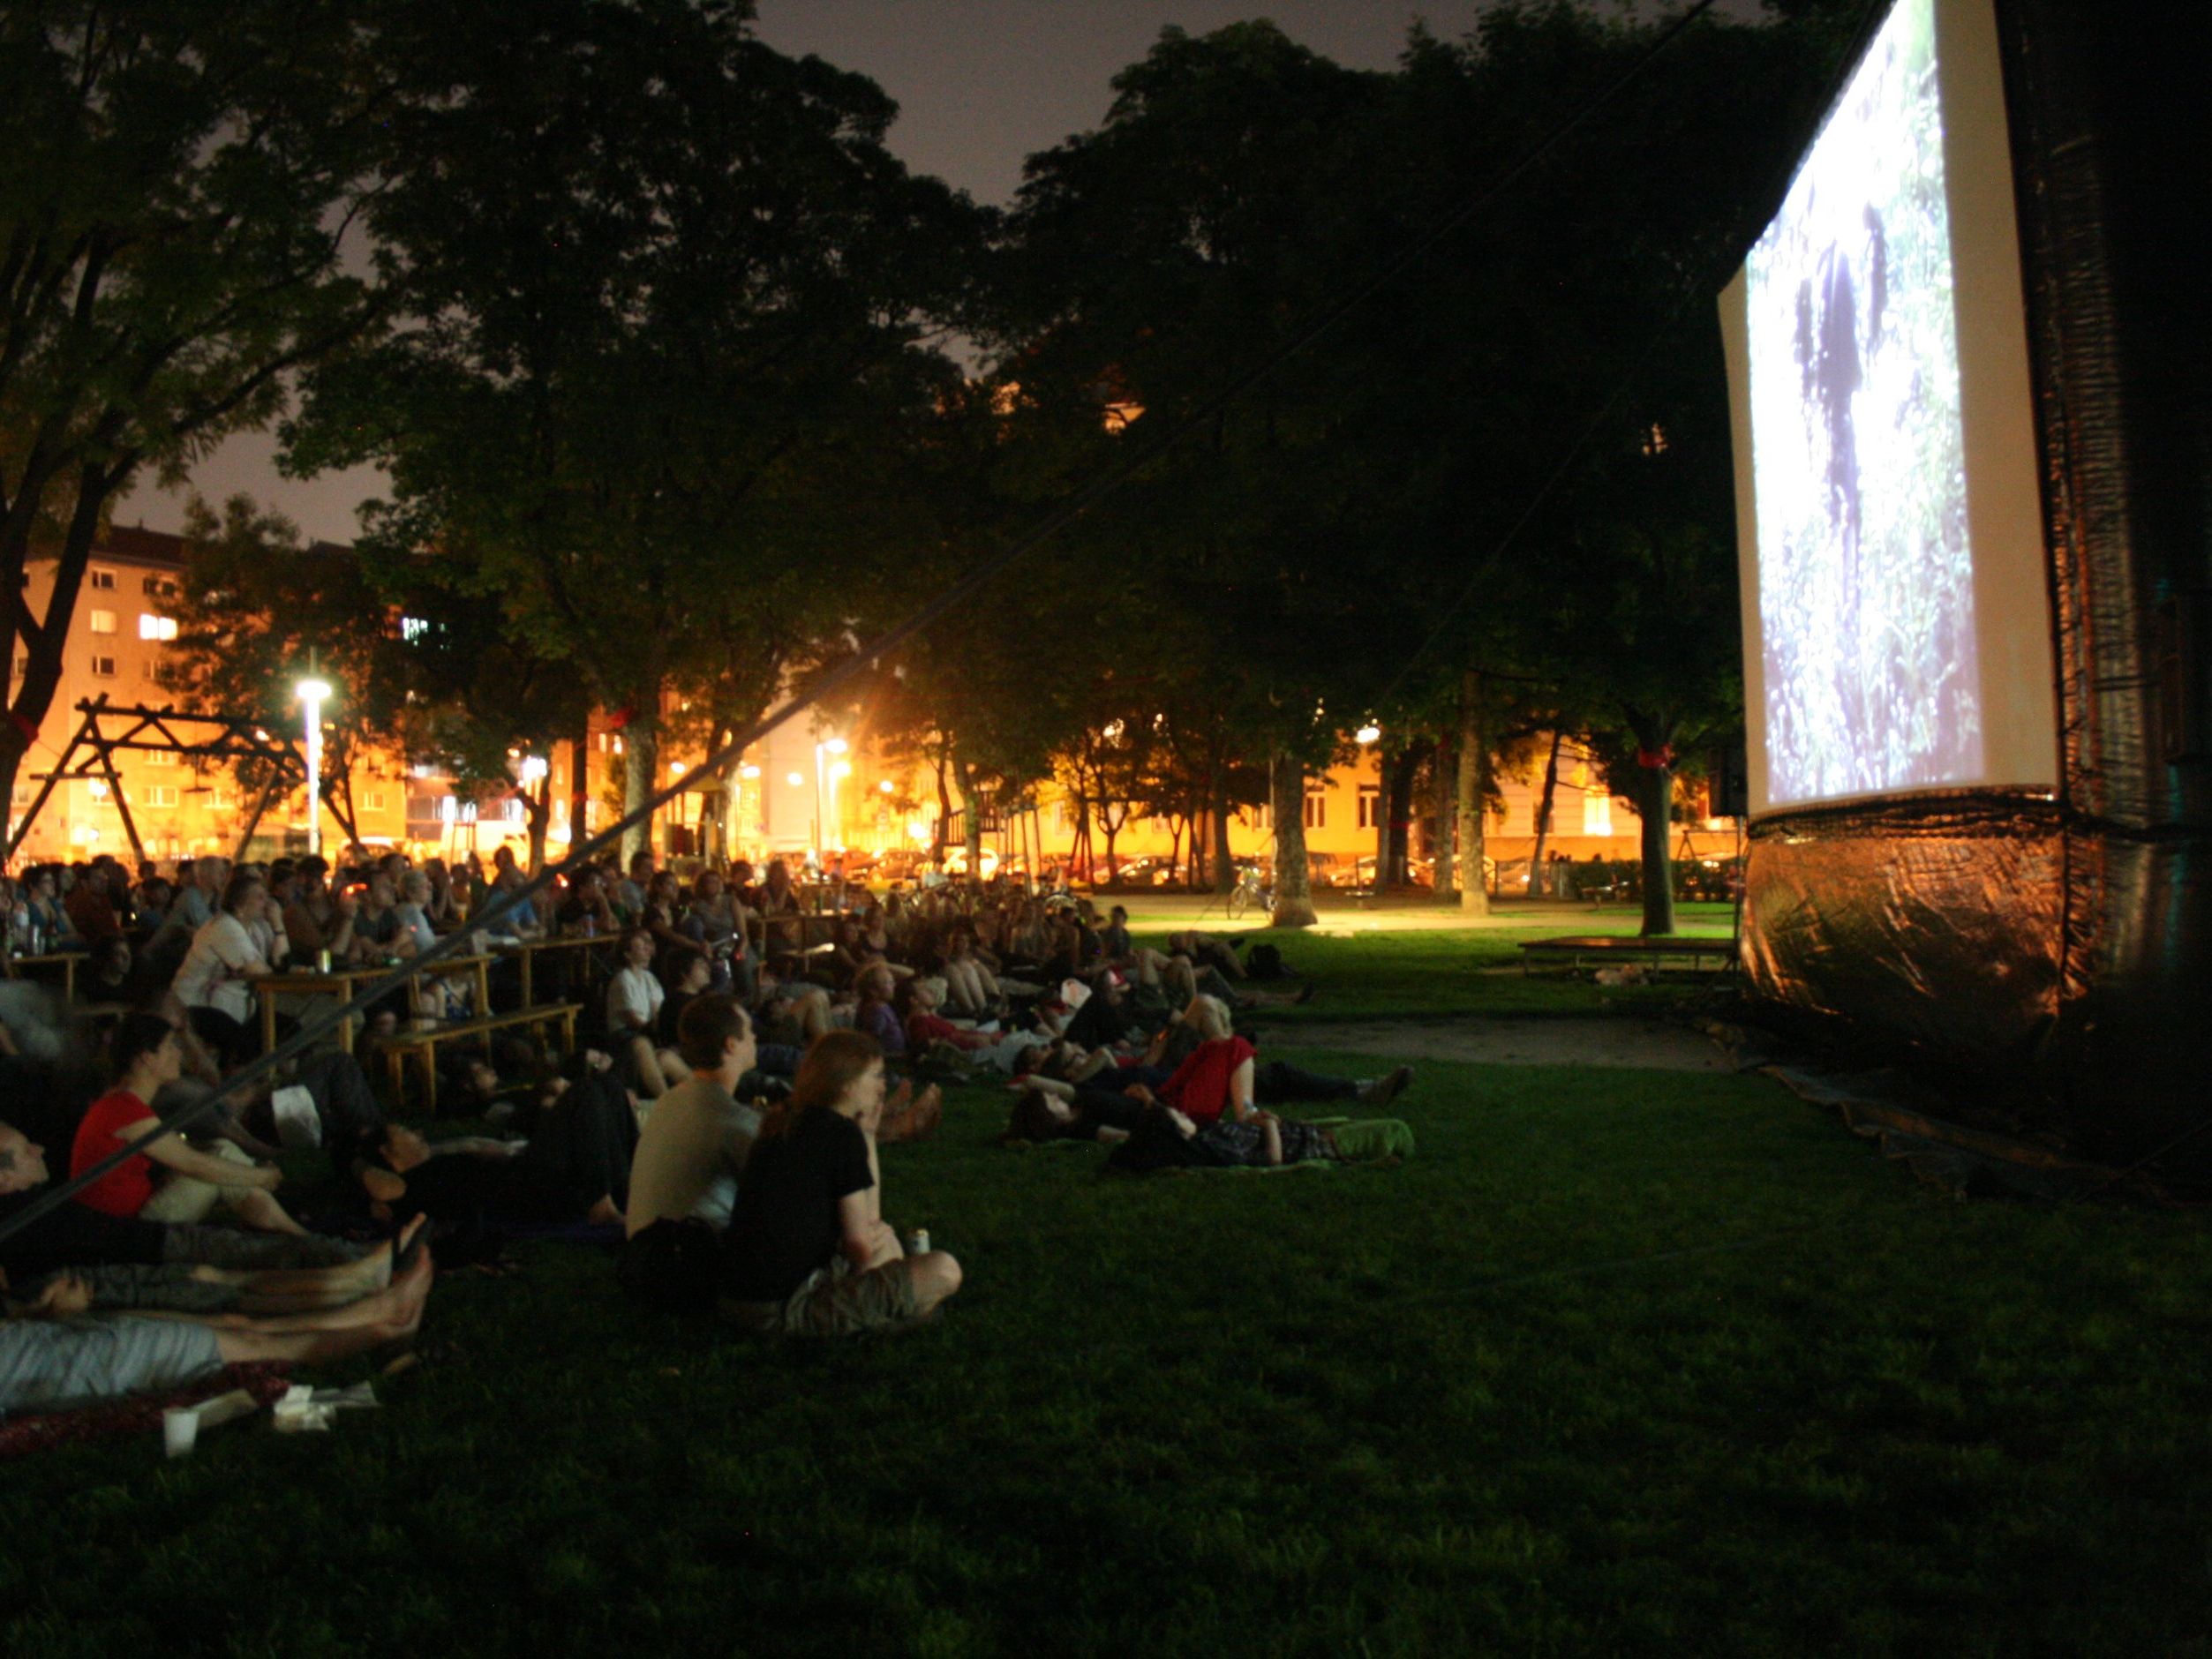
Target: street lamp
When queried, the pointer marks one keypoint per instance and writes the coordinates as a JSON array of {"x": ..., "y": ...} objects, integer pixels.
[
  {"x": 1367, "y": 733},
  {"x": 314, "y": 691}
]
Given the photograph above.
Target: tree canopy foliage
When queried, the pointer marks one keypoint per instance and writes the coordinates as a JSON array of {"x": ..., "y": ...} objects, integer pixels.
[{"x": 653, "y": 336}]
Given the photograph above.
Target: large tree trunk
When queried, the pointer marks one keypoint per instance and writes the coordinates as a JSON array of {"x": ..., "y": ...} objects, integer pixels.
[
  {"x": 1398, "y": 816},
  {"x": 1224, "y": 860},
  {"x": 1474, "y": 893},
  {"x": 1655, "y": 803},
  {"x": 1112, "y": 826},
  {"x": 538, "y": 815},
  {"x": 972, "y": 822},
  {"x": 1293, "y": 878},
  {"x": 943, "y": 759},
  {"x": 1445, "y": 787},
  {"x": 641, "y": 765},
  {"x": 1544, "y": 820},
  {"x": 579, "y": 782}
]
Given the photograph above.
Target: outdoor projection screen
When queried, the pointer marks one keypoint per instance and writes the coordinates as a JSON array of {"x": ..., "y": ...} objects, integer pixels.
[{"x": 1896, "y": 603}]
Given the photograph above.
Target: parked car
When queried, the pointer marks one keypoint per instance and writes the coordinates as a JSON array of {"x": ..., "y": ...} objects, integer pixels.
[{"x": 1152, "y": 870}]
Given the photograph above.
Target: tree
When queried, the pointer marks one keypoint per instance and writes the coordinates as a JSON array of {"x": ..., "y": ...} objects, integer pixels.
[
  {"x": 177, "y": 187},
  {"x": 667, "y": 346},
  {"x": 258, "y": 608}
]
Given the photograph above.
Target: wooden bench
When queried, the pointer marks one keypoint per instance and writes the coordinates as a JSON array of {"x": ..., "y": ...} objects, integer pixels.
[
  {"x": 422, "y": 1045},
  {"x": 1591, "y": 949}
]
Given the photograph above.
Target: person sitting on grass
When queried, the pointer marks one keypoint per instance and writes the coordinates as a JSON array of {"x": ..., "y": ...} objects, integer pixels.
[
  {"x": 809, "y": 1252},
  {"x": 52, "y": 1356},
  {"x": 925, "y": 1025},
  {"x": 1219, "y": 1073},
  {"x": 72, "y": 1237},
  {"x": 693, "y": 1146},
  {"x": 150, "y": 1056},
  {"x": 873, "y": 1014}
]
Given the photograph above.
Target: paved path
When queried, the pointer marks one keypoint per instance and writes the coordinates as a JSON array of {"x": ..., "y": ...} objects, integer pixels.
[{"x": 1601, "y": 1040}]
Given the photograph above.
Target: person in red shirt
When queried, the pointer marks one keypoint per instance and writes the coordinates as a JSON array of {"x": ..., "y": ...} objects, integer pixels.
[
  {"x": 150, "y": 1056},
  {"x": 1215, "y": 1081}
]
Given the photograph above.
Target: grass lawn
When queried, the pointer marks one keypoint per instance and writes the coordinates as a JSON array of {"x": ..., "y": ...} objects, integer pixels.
[{"x": 1621, "y": 1361}]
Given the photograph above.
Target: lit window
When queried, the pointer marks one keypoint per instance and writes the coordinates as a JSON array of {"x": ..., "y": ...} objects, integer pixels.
[
  {"x": 1316, "y": 811},
  {"x": 101, "y": 621},
  {"x": 162, "y": 757},
  {"x": 102, "y": 581},
  {"x": 1597, "y": 813},
  {"x": 156, "y": 628},
  {"x": 161, "y": 795},
  {"x": 103, "y": 667},
  {"x": 376, "y": 800},
  {"x": 412, "y": 629},
  {"x": 1370, "y": 797}
]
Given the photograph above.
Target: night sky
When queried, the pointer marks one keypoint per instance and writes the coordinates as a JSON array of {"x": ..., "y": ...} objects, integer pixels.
[{"x": 981, "y": 85}]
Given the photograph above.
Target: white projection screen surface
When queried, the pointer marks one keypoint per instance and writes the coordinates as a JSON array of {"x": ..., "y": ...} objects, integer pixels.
[{"x": 1896, "y": 599}]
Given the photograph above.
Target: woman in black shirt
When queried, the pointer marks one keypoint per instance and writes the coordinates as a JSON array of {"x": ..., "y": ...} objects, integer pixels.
[{"x": 808, "y": 1251}]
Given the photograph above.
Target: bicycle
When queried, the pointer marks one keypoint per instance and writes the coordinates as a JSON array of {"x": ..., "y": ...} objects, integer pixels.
[{"x": 1249, "y": 890}]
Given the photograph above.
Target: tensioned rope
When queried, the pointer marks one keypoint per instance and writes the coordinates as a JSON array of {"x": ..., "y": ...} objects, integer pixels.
[{"x": 1134, "y": 460}]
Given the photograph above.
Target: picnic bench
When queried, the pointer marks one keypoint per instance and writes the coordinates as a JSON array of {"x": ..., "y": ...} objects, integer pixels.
[
  {"x": 419, "y": 1044},
  {"x": 1612, "y": 949},
  {"x": 64, "y": 961}
]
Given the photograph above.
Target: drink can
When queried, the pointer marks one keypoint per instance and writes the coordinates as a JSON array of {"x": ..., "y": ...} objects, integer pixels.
[
  {"x": 918, "y": 1242},
  {"x": 322, "y": 961}
]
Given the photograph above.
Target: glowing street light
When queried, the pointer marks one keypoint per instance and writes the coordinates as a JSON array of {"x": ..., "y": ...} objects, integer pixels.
[
  {"x": 534, "y": 769},
  {"x": 1369, "y": 734},
  {"x": 314, "y": 692}
]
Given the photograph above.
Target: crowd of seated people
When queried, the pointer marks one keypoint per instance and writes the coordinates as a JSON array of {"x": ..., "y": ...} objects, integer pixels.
[{"x": 735, "y": 1080}]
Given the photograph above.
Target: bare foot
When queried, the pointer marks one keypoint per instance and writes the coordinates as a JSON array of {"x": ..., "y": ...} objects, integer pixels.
[{"x": 383, "y": 1186}]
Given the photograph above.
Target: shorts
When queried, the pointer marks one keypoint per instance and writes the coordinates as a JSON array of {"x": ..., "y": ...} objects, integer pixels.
[
  {"x": 187, "y": 1198},
  {"x": 171, "y": 1286},
  {"x": 839, "y": 1300}
]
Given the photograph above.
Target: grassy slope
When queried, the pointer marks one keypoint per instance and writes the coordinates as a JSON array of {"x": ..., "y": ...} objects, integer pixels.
[{"x": 1289, "y": 1413}]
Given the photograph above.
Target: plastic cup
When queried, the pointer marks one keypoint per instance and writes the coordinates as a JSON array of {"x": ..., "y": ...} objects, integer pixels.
[{"x": 180, "y": 1430}]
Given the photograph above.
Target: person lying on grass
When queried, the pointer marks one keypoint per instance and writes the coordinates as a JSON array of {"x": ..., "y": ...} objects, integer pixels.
[
  {"x": 1164, "y": 1137},
  {"x": 52, "y": 1355},
  {"x": 809, "y": 1252},
  {"x": 149, "y": 1055},
  {"x": 575, "y": 1166},
  {"x": 90, "y": 1241},
  {"x": 198, "y": 1290}
]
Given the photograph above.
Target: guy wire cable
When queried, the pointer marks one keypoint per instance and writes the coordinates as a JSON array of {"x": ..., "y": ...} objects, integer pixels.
[{"x": 314, "y": 1030}]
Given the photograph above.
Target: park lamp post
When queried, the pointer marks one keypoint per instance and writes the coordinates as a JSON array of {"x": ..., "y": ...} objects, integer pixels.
[
  {"x": 1369, "y": 734},
  {"x": 314, "y": 692}
]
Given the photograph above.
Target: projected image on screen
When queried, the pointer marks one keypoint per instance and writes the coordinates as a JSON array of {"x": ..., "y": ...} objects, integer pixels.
[{"x": 1865, "y": 577}]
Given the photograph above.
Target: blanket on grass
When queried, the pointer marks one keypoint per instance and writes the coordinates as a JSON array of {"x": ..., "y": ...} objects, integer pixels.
[{"x": 139, "y": 1414}]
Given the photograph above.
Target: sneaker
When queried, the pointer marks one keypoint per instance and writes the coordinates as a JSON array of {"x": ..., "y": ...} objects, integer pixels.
[{"x": 1381, "y": 1090}]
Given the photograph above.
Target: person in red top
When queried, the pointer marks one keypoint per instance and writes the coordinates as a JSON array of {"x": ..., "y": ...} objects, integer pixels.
[
  {"x": 150, "y": 1055},
  {"x": 925, "y": 1025},
  {"x": 1215, "y": 1080}
]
